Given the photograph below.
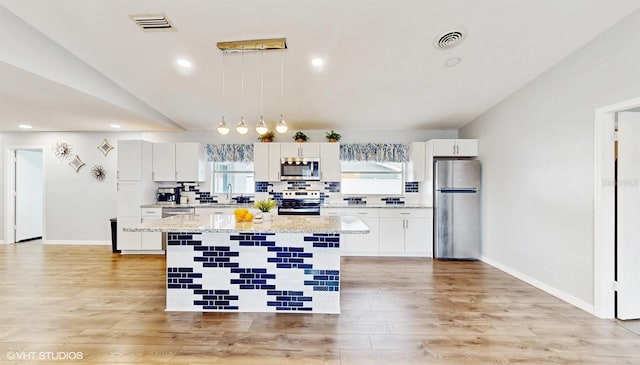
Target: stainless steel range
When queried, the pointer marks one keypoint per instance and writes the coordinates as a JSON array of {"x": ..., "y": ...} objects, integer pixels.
[{"x": 300, "y": 202}]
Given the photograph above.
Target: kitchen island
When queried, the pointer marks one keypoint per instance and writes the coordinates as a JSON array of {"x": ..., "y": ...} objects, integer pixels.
[{"x": 289, "y": 264}]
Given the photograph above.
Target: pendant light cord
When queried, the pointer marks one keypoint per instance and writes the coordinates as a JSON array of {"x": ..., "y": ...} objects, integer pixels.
[
  {"x": 281, "y": 82},
  {"x": 223, "y": 53},
  {"x": 242, "y": 86},
  {"x": 261, "y": 84}
]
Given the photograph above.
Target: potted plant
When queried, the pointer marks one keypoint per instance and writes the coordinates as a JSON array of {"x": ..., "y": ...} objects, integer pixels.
[
  {"x": 265, "y": 206},
  {"x": 267, "y": 137},
  {"x": 333, "y": 136},
  {"x": 300, "y": 137}
]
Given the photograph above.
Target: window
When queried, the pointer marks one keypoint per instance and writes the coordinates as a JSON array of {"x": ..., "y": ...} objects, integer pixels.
[
  {"x": 238, "y": 174},
  {"x": 371, "y": 177}
]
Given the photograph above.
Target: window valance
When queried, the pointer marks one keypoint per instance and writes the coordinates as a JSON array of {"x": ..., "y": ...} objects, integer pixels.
[
  {"x": 376, "y": 152},
  {"x": 229, "y": 152}
]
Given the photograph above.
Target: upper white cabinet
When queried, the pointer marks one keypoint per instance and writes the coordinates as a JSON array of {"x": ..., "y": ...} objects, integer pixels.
[
  {"x": 330, "y": 162},
  {"x": 134, "y": 160},
  {"x": 178, "y": 162},
  {"x": 164, "y": 162},
  {"x": 190, "y": 162},
  {"x": 266, "y": 161},
  {"x": 453, "y": 147},
  {"x": 417, "y": 164},
  {"x": 307, "y": 149}
]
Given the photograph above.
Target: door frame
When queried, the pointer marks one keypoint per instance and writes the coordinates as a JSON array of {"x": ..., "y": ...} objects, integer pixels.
[
  {"x": 10, "y": 199},
  {"x": 603, "y": 208}
]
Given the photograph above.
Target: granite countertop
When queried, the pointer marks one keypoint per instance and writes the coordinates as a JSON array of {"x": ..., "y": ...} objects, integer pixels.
[
  {"x": 278, "y": 224},
  {"x": 197, "y": 205},
  {"x": 374, "y": 205}
]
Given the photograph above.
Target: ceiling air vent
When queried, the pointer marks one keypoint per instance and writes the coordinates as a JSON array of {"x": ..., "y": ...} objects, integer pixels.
[
  {"x": 153, "y": 22},
  {"x": 449, "y": 39}
]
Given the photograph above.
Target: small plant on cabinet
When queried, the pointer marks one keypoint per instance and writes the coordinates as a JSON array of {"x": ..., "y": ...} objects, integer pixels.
[
  {"x": 267, "y": 137},
  {"x": 300, "y": 137},
  {"x": 333, "y": 136}
]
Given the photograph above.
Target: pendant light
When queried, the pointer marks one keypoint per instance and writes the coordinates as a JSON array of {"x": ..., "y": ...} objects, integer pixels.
[
  {"x": 261, "y": 128},
  {"x": 242, "y": 126},
  {"x": 223, "y": 128},
  {"x": 281, "y": 127}
]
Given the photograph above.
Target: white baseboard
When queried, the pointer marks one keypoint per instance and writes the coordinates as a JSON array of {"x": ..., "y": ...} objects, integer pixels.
[
  {"x": 76, "y": 242},
  {"x": 542, "y": 286},
  {"x": 2, "y": 242}
]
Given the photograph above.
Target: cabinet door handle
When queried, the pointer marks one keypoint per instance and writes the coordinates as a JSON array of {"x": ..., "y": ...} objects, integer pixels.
[
  {"x": 153, "y": 175},
  {"x": 406, "y": 224},
  {"x": 117, "y": 174},
  {"x": 176, "y": 175},
  {"x": 404, "y": 213}
]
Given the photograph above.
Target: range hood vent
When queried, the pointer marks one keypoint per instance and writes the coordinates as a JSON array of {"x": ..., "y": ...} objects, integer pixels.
[{"x": 153, "y": 22}]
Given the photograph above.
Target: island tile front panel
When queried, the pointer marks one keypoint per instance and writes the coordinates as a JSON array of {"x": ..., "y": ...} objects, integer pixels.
[{"x": 253, "y": 272}]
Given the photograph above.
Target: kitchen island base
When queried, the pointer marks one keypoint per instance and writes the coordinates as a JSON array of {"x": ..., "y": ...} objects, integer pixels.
[{"x": 253, "y": 272}]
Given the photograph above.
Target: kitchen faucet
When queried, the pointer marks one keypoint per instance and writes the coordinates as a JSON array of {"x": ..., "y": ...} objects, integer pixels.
[{"x": 229, "y": 192}]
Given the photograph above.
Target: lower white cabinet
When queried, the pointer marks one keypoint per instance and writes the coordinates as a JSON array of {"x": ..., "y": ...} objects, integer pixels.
[
  {"x": 363, "y": 244},
  {"x": 406, "y": 232},
  {"x": 151, "y": 240},
  {"x": 392, "y": 231},
  {"x": 214, "y": 210}
]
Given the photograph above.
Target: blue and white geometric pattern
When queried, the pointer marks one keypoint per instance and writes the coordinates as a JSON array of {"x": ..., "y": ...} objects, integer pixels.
[{"x": 253, "y": 272}]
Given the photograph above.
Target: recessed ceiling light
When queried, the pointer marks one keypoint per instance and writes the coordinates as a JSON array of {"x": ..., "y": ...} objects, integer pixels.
[
  {"x": 25, "y": 126},
  {"x": 114, "y": 125},
  {"x": 317, "y": 62},
  {"x": 184, "y": 63},
  {"x": 452, "y": 61}
]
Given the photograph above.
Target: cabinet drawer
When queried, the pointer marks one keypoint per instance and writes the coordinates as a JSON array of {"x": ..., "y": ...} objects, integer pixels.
[
  {"x": 151, "y": 212},
  {"x": 405, "y": 213},
  {"x": 362, "y": 212},
  {"x": 332, "y": 211}
]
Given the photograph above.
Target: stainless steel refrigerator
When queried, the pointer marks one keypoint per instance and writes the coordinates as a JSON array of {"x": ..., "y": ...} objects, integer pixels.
[{"x": 456, "y": 204}]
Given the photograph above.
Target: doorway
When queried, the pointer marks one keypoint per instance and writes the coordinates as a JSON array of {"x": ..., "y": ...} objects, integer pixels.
[
  {"x": 25, "y": 208},
  {"x": 617, "y": 194}
]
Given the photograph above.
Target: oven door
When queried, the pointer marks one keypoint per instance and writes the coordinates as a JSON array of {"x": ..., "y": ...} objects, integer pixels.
[
  {"x": 299, "y": 207},
  {"x": 298, "y": 211}
]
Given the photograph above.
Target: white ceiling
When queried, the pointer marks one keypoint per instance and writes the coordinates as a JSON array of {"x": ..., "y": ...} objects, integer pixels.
[{"x": 381, "y": 70}]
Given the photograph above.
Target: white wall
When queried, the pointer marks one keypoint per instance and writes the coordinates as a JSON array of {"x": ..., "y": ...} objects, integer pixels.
[
  {"x": 537, "y": 150},
  {"x": 77, "y": 208}
]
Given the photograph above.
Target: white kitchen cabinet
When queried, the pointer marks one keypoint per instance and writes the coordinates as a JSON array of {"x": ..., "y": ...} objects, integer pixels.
[
  {"x": 306, "y": 149},
  {"x": 416, "y": 166},
  {"x": 406, "y": 232},
  {"x": 151, "y": 240},
  {"x": 453, "y": 147},
  {"x": 332, "y": 212},
  {"x": 134, "y": 188},
  {"x": 363, "y": 244},
  {"x": 178, "y": 162},
  {"x": 164, "y": 162},
  {"x": 213, "y": 210},
  {"x": 190, "y": 162},
  {"x": 330, "y": 162},
  {"x": 266, "y": 161},
  {"x": 134, "y": 160}
]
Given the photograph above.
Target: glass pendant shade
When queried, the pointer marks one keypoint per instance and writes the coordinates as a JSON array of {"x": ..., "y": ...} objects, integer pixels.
[
  {"x": 223, "y": 128},
  {"x": 281, "y": 127},
  {"x": 261, "y": 128},
  {"x": 242, "y": 127}
]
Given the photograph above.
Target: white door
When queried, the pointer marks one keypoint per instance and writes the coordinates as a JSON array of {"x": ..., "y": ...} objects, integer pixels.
[
  {"x": 28, "y": 194},
  {"x": 628, "y": 258}
]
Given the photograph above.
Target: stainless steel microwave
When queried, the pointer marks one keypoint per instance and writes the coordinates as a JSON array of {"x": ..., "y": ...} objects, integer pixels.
[{"x": 299, "y": 168}]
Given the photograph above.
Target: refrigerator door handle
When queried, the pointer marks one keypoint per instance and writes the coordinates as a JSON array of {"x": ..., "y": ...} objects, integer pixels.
[{"x": 449, "y": 190}]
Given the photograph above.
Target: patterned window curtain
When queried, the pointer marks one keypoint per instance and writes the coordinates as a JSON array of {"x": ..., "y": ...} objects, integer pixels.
[
  {"x": 229, "y": 152},
  {"x": 374, "y": 152}
]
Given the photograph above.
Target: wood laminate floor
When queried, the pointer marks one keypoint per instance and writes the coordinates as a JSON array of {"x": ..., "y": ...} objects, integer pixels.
[{"x": 63, "y": 301}]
